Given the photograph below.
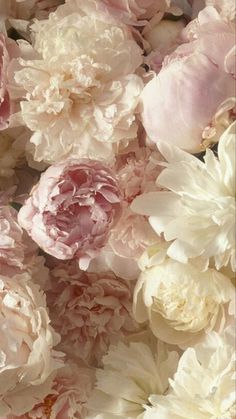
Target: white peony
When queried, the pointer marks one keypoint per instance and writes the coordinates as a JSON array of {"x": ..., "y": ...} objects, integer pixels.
[
  {"x": 198, "y": 211},
  {"x": 81, "y": 92},
  {"x": 204, "y": 384},
  {"x": 132, "y": 372},
  {"x": 182, "y": 303},
  {"x": 28, "y": 361}
]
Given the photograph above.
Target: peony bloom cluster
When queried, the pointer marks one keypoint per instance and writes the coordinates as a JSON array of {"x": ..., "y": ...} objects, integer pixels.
[
  {"x": 89, "y": 310},
  {"x": 28, "y": 359},
  {"x": 72, "y": 208}
]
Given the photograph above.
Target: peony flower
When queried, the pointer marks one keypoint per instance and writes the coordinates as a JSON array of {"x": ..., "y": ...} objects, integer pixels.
[
  {"x": 181, "y": 303},
  {"x": 198, "y": 211},
  {"x": 135, "y": 12},
  {"x": 80, "y": 91},
  {"x": 199, "y": 79},
  {"x": 71, "y": 209},
  {"x": 28, "y": 360},
  {"x": 68, "y": 398},
  {"x": 89, "y": 310},
  {"x": 8, "y": 51},
  {"x": 132, "y": 372},
  {"x": 204, "y": 384}
]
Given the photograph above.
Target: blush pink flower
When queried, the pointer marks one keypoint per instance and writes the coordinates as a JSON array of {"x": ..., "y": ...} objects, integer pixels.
[
  {"x": 135, "y": 12},
  {"x": 195, "y": 86},
  {"x": 90, "y": 310},
  {"x": 8, "y": 50},
  {"x": 68, "y": 398},
  {"x": 72, "y": 208}
]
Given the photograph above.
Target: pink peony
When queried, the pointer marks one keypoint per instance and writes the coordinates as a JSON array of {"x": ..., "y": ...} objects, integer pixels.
[
  {"x": 8, "y": 50},
  {"x": 135, "y": 12},
  {"x": 71, "y": 209},
  {"x": 70, "y": 391},
  {"x": 90, "y": 310},
  {"x": 195, "y": 86}
]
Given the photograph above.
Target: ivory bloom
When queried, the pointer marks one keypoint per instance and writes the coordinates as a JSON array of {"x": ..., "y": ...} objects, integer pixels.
[
  {"x": 28, "y": 360},
  {"x": 132, "y": 372},
  {"x": 204, "y": 384},
  {"x": 182, "y": 303},
  {"x": 80, "y": 89},
  {"x": 197, "y": 214}
]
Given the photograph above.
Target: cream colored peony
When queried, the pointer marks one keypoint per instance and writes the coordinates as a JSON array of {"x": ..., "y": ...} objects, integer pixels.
[
  {"x": 198, "y": 212},
  {"x": 182, "y": 303},
  {"x": 132, "y": 372},
  {"x": 28, "y": 361},
  {"x": 80, "y": 89},
  {"x": 204, "y": 384}
]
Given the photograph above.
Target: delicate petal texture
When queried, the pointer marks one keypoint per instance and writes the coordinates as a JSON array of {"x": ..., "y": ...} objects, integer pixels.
[
  {"x": 28, "y": 361},
  {"x": 89, "y": 310},
  {"x": 68, "y": 398},
  {"x": 135, "y": 12},
  {"x": 182, "y": 303},
  {"x": 132, "y": 372},
  {"x": 17, "y": 251},
  {"x": 198, "y": 81},
  {"x": 8, "y": 50},
  {"x": 72, "y": 209},
  {"x": 226, "y": 8},
  {"x": 26, "y": 9},
  {"x": 80, "y": 91},
  {"x": 198, "y": 213},
  {"x": 204, "y": 384}
]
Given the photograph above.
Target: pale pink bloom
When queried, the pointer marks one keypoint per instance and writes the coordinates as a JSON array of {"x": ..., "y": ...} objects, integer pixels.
[
  {"x": 71, "y": 209},
  {"x": 68, "y": 398},
  {"x": 89, "y": 310},
  {"x": 8, "y": 50},
  {"x": 194, "y": 84},
  {"x": 226, "y": 8},
  {"x": 136, "y": 12},
  {"x": 28, "y": 359}
]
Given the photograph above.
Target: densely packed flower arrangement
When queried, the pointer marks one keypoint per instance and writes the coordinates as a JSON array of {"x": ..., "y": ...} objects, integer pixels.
[{"x": 117, "y": 209}]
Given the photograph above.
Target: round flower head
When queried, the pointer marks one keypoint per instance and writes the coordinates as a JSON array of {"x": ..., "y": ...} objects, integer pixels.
[
  {"x": 198, "y": 77},
  {"x": 28, "y": 360},
  {"x": 204, "y": 384},
  {"x": 71, "y": 209},
  {"x": 198, "y": 211},
  {"x": 80, "y": 90},
  {"x": 89, "y": 310},
  {"x": 182, "y": 303}
]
